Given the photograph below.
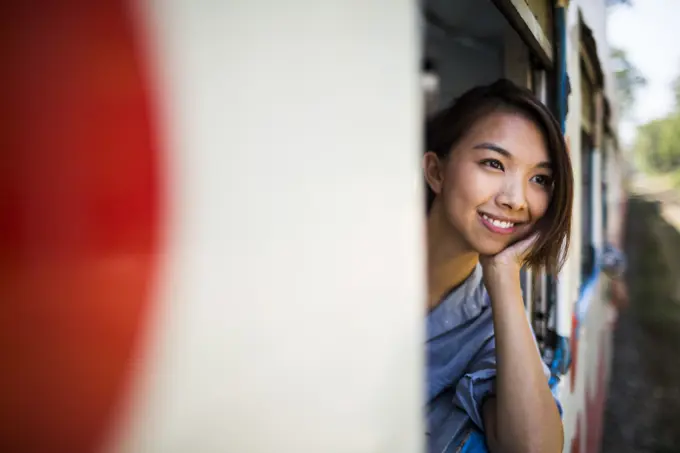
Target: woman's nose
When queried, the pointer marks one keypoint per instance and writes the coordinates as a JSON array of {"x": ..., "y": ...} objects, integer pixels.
[{"x": 513, "y": 195}]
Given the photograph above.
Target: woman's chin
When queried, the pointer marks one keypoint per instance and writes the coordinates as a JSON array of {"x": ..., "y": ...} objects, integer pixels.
[{"x": 489, "y": 248}]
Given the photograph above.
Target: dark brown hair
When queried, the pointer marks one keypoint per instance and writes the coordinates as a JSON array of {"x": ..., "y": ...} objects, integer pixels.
[{"x": 445, "y": 130}]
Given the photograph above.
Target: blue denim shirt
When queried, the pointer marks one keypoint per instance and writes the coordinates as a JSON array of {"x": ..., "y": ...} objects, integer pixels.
[{"x": 461, "y": 364}]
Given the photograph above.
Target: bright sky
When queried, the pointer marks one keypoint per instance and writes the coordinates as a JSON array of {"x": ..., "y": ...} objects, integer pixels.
[{"x": 649, "y": 32}]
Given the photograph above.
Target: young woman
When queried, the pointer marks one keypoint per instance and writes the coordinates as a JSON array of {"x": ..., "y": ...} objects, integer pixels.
[{"x": 500, "y": 187}]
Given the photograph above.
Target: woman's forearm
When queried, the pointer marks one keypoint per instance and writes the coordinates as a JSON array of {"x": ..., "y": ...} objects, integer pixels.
[{"x": 526, "y": 418}]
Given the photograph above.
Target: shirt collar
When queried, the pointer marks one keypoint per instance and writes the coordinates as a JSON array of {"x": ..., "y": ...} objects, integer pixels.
[{"x": 459, "y": 306}]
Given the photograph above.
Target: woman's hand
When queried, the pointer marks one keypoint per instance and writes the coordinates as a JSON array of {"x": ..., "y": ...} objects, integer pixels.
[{"x": 504, "y": 267}]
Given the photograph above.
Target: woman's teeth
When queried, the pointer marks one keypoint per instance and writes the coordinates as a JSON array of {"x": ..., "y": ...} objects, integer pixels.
[{"x": 498, "y": 223}]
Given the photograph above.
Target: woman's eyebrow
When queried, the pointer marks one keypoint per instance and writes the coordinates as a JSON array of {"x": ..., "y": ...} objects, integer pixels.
[
  {"x": 500, "y": 150},
  {"x": 493, "y": 147}
]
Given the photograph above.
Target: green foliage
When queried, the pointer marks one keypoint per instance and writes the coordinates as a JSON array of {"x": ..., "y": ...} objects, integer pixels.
[{"x": 658, "y": 142}]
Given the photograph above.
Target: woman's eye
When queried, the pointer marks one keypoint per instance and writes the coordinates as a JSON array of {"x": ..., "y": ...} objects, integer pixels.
[
  {"x": 493, "y": 163},
  {"x": 542, "y": 180}
]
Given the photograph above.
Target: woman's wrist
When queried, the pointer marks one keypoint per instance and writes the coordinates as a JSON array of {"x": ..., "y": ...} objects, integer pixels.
[{"x": 503, "y": 280}]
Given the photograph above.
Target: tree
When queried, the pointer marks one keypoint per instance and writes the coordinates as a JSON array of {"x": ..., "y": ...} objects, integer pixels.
[
  {"x": 658, "y": 144},
  {"x": 628, "y": 79}
]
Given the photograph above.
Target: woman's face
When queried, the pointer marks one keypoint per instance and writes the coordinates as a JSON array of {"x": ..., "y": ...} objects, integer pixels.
[{"x": 496, "y": 183}]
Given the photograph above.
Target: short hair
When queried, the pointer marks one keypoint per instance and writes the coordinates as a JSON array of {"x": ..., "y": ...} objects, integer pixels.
[{"x": 446, "y": 129}]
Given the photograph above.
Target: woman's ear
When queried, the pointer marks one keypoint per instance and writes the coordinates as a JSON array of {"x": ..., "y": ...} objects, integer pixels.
[{"x": 433, "y": 171}]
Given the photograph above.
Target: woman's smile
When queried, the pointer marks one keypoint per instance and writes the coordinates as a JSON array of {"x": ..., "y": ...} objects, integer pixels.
[{"x": 497, "y": 225}]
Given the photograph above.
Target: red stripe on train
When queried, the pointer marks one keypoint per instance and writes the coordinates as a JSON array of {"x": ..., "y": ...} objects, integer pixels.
[{"x": 79, "y": 210}]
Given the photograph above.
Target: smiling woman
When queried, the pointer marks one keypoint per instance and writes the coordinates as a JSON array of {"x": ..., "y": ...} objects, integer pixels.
[
  {"x": 499, "y": 187},
  {"x": 499, "y": 126}
]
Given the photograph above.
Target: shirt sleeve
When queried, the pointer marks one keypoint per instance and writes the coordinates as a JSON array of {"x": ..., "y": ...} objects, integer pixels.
[{"x": 480, "y": 382}]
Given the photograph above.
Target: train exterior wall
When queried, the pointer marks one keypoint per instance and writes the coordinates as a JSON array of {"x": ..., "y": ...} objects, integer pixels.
[{"x": 583, "y": 389}]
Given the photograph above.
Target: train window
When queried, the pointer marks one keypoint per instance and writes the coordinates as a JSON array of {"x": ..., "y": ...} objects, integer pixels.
[
  {"x": 539, "y": 286},
  {"x": 588, "y": 252},
  {"x": 470, "y": 43},
  {"x": 588, "y": 125},
  {"x": 604, "y": 185}
]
